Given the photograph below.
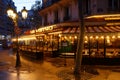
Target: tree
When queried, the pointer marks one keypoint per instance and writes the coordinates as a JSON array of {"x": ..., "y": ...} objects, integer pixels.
[
  {"x": 78, "y": 62},
  {"x": 36, "y": 19},
  {"x": 37, "y": 5}
]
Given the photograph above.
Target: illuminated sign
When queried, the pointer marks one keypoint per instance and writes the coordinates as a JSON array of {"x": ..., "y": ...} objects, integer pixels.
[{"x": 42, "y": 29}]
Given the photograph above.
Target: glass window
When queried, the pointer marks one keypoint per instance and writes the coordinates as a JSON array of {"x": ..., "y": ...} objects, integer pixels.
[
  {"x": 56, "y": 16},
  {"x": 114, "y": 5},
  {"x": 66, "y": 13}
]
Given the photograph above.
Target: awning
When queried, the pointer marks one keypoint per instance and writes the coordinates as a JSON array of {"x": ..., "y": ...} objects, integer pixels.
[
  {"x": 93, "y": 29},
  {"x": 70, "y": 30},
  {"x": 102, "y": 29}
]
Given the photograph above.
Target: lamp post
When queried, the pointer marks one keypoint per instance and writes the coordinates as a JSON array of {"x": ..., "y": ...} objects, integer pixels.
[{"x": 14, "y": 16}]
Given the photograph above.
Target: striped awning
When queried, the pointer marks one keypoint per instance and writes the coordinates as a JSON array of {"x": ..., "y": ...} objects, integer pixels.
[
  {"x": 93, "y": 29},
  {"x": 70, "y": 30}
]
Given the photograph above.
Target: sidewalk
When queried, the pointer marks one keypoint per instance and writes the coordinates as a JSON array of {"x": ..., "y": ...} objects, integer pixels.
[{"x": 52, "y": 69}]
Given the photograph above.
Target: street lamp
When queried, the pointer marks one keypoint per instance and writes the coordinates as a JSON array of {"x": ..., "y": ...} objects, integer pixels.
[
  {"x": 24, "y": 13},
  {"x": 14, "y": 16},
  {"x": 10, "y": 12}
]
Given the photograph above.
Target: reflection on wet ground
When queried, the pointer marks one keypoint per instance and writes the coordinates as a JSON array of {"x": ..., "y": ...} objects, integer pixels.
[
  {"x": 56, "y": 67},
  {"x": 48, "y": 69}
]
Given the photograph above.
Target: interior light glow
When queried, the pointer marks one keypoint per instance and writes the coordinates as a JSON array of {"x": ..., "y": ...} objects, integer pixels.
[
  {"x": 108, "y": 37},
  {"x": 96, "y": 37},
  {"x": 65, "y": 37},
  {"x": 118, "y": 36},
  {"x": 102, "y": 37},
  {"x": 108, "y": 41},
  {"x": 75, "y": 37},
  {"x": 91, "y": 37},
  {"x": 13, "y": 39},
  {"x": 60, "y": 35},
  {"x": 86, "y": 41},
  {"x": 113, "y": 37},
  {"x": 86, "y": 37},
  {"x": 32, "y": 38},
  {"x": 27, "y": 37}
]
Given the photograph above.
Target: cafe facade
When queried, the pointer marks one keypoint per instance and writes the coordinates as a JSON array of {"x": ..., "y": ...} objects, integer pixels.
[
  {"x": 99, "y": 40},
  {"x": 59, "y": 31}
]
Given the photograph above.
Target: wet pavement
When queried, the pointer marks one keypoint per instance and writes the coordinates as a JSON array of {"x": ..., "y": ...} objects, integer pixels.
[{"x": 51, "y": 69}]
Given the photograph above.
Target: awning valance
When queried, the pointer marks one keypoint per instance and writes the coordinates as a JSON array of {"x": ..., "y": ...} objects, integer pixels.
[{"x": 93, "y": 29}]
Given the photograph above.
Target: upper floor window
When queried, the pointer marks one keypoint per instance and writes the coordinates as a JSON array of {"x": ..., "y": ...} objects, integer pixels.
[
  {"x": 56, "y": 16},
  {"x": 45, "y": 20},
  {"x": 114, "y": 5},
  {"x": 66, "y": 13},
  {"x": 86, "y": 6}
]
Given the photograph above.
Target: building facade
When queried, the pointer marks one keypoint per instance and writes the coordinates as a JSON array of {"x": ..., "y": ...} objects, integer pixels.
[
  {"x": 65, "y": 13},
  {"x": 60, "y": 28}
]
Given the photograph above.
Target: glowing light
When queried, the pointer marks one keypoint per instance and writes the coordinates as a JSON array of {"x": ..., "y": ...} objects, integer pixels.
[
  {"x": 96, "y": 37},
  {"x": 14, "y": 15},
  {"x": 14, "y": 39},
  {"x": 113, "y": 37},
  {"x": 22, "y": 38},
  {"x": 86, "y": 37},
  {"x": 75, "y": 37},
  {"x": 91, "y": 37},
  {"x": 102, "y": 37},
  {"x": 60, "y": 35},
  {"x": 108, "y": 37},
  {"x": 108, "y": 41},
  {"x": 24, "y": 13},
  {"x": 118, "y": 36},
  {"x": 10, "y": 12},
  {"x": 86, "y": 41},
  {"x": 45, "y": 29},
  {"x": 65, "y": 37}
]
